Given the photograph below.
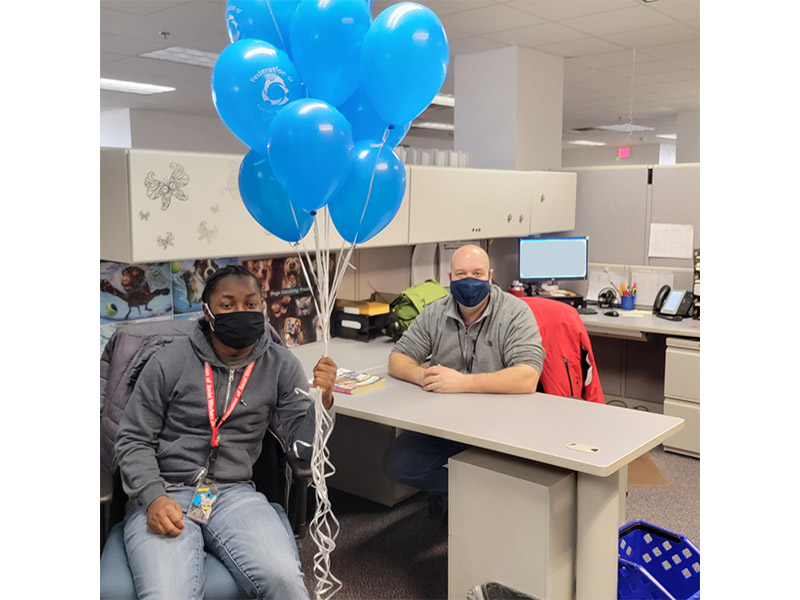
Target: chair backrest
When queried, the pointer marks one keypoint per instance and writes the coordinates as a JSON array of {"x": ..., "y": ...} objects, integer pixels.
[
  {"x": 569, "y": 366},
  {"x": 124, "y": 357}
]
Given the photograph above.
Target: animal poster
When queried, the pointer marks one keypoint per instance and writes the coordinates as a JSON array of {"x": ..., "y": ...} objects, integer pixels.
[
  {"x": 189, "y": 279},
  {"x": 290, "y": 301},
  {"x": 135, "y": 291}
]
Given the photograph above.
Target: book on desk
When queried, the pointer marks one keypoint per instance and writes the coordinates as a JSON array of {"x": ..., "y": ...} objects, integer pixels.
[{"x": 355, "y": 382}]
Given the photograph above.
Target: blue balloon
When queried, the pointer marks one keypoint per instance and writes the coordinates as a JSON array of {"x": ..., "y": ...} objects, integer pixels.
[
  {"x": 367, "y": 124},
  {"x": 251, "y": 82},
  {"x": 326, "y": 38},
  {"x": 266, "y": 20},
  {"x": 267, "y": 202},
  {"x": 404, "y": 61},
  {"x": 310, "y": 150},
  {"x": 371, "y": 195}
]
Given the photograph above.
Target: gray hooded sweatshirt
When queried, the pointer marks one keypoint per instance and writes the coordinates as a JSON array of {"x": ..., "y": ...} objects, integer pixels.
[{"x": 165, "y": 435}]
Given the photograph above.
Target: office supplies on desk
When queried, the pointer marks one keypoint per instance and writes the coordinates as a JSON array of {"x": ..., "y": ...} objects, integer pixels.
[
  {"x": 355, "y": 382},
  {"x": 585, "y": 310}
]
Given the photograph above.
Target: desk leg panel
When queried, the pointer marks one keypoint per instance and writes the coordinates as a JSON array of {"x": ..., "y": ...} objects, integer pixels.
[{"x": 599, "y": 511}]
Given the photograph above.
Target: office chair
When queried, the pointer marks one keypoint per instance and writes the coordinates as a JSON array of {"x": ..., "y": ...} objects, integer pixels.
[
  {"x": 569, "y": 366},
  {"x": 279, "y": 475}
]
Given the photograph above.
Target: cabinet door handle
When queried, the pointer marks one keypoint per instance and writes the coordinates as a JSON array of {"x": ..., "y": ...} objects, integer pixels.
[
  {"x": 508, "y": 220},
  {"x": 541, "y": 198},
  {"x": 521, "y": 218}
]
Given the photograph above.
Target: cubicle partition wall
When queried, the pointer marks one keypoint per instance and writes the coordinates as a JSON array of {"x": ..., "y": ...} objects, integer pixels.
[{"x": 615, "y": 208}]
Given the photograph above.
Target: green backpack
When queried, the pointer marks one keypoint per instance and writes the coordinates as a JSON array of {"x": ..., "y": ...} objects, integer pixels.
[{"x": 410, "y": 303}]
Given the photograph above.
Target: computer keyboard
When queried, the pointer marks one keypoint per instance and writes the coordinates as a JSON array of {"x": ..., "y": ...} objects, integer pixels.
[{"x": 587, "y": 311}]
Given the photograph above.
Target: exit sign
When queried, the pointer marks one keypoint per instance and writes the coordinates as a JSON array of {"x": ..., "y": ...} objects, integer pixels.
[{"x": 624, "y": 152}]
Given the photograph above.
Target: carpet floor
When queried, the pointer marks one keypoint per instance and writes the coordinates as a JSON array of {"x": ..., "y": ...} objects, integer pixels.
[{"x": 401, "y": 552}]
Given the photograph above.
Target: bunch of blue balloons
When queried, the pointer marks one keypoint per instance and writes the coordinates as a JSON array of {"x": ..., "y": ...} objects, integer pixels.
[{"x": 322, "y": 93}]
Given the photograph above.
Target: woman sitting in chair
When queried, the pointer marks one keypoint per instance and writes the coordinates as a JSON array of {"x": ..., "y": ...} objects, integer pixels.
[{"x": 187, "y": 443}]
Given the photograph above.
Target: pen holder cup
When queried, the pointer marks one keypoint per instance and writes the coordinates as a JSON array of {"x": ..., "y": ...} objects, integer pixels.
[{"x": 628, "y": 302}]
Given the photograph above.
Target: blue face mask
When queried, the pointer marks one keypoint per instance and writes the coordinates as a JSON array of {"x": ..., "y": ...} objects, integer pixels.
[{"x": 469, "y": 291}]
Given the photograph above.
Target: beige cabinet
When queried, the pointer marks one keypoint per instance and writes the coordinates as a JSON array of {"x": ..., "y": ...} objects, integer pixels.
[
  {"x": 158, "y": 205},
  {"x": 511, "y": 521},
  {"x": 163, "y": 205},
  {"x": 553, "y": 201},
  {"x": 682, "y": 393},
  {"x": 456, "y": 204}
]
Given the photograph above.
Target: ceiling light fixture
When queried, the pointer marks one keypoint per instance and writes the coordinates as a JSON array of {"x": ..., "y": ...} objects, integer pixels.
[
  {"x": 668, "y": 136},
  {"x": 433, "y": 125},
  {"x": 185, "y": 56},
  {"x": 585, "y": 143},
  {"x": 133, "y": 87},
  {"x": 625, "y": 127},
  {"x": 444, "y": 100}
]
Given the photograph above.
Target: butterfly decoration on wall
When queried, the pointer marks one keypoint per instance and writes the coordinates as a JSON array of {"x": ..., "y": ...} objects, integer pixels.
[
  {"x": 232, "y": 188},
  {"x": 144, "y": 215},
  {"x": 167, "y": 240},
  {"x": 215, "y": 208},
  {"x": 166, "y": 191},
  {"x": 205, "y": 233}
]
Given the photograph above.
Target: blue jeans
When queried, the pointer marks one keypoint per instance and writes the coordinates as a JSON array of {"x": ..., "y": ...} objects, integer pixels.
[
  {"x": 244, "y": 532},
  {"x": 419, "y": 460}
]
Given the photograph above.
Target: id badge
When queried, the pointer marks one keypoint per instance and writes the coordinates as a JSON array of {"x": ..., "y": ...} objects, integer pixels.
[{"x": 205, "y": 494}]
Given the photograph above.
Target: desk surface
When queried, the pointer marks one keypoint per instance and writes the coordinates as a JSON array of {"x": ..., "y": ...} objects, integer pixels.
[
  {"x": 536, "y": 427},
  {"x": 649, "y": 323}
]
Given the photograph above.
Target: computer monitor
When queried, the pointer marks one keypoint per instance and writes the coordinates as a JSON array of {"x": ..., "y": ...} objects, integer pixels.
[{"x": 550, "y": 259}]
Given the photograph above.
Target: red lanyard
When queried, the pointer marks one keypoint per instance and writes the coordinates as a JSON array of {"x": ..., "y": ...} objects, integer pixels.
[{"x": 212, "y": 412}]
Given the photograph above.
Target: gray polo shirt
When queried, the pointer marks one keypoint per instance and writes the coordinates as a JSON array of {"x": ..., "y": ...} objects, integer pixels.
[{"x": 505, "y": 335}]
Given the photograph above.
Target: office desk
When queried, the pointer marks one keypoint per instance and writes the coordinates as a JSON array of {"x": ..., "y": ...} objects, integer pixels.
[
  {"x": 681, "y": 391},
  {"x": 636, "y": 328},
  {"x": 535, "y": 427}
]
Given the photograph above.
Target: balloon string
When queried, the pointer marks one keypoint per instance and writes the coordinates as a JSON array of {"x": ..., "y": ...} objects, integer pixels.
[{"x": 277, "y": 27}]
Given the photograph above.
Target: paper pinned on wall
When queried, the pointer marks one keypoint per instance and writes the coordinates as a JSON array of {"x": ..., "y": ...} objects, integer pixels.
[
  {"x": 423, "y": 263},
  {"x": 671, "y": 240},
  {"x": 602, "y": 277},
  {"x": 648, "y": 282}
]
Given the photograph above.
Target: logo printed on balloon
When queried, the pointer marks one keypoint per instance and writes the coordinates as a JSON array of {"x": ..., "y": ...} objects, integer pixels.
[
  {"x": 233, "y": 27},
  {"x": 275, "y": 91}
]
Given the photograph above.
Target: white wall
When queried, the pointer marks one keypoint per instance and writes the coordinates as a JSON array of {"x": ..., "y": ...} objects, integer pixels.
[
  {"x": 171, "y": 131},
  {"x": 115, "y": 128}
]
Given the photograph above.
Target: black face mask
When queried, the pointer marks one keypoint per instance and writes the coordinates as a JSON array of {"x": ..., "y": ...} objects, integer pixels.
[{"x": 238, "y": 329}]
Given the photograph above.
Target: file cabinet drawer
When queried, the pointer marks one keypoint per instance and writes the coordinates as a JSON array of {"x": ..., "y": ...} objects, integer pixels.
[
  {"x": 682, "y": 372},
  {"x": 686, "y": 441}
]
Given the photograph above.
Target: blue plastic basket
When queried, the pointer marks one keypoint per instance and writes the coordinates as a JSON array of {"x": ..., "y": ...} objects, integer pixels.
[{"x": 656, "y": 564}]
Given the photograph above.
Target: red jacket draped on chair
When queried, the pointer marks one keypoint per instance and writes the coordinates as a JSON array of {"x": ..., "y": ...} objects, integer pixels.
[{"x": 569, "y": 366}]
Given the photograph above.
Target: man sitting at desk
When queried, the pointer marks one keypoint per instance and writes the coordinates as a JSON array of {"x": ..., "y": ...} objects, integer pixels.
[{"x": 479, "y": 339}]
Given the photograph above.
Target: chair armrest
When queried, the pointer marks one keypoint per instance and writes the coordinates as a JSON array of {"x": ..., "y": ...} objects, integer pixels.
[{"x": 298, "y": 495}]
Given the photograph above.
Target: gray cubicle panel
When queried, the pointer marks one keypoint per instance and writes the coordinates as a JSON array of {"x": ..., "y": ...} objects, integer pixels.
[
  {"x": 676, "y": 199},
  {"x": 611, "y": 210},
  {"x": 615, "y": 207}
]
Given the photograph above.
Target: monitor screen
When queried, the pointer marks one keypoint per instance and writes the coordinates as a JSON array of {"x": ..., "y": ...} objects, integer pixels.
[{"x": 553, "y": 258}]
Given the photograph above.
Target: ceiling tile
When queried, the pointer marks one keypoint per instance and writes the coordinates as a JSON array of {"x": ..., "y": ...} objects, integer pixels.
[
  {"x": 560, "y": 10},
  {"x": 143, "y": 7},
  {"x": 471, "y": 45},
  {"x": 536, "y": 35},
  {"x": 655, "y": 36},
  {"x": 581, "y": 47},
  {"x": 682, "y": 10},
  {"x": 128, "y": 46},
  {"x": 615, "y": 21},
  {"x": 439, "y": 7},
  {"x": 497, "y": 17}
]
